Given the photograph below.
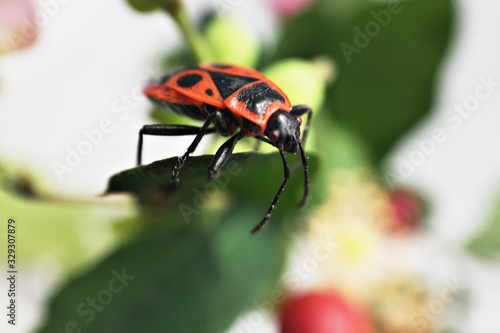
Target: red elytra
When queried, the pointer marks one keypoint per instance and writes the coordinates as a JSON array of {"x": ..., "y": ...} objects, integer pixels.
[
  {"x": 224, "y": 87},
  {"x": 239, "y": 102}
]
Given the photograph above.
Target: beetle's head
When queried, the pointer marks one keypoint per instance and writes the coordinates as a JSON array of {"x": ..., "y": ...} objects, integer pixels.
[{"x": 283, "y": 130}]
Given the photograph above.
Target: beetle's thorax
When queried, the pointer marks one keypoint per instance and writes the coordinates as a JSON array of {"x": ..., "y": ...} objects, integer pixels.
[{"x": 283, "y": 130}]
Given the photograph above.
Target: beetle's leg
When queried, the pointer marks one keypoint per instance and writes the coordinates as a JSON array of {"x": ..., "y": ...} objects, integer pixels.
[
  {"x": 166, "y": 130},
  {"x": 299, "y": 110},
  {"x": 203, "y": 130},
  {"x": 306, "y": 175},
  {"x": 276, "y": 198},
  {"x": 222, "y": 155}
]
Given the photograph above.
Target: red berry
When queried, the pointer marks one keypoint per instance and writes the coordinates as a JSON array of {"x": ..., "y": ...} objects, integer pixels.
[{"x": 324, "y": 312}]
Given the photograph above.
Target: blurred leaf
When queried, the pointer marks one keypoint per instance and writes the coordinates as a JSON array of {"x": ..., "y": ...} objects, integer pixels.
[
  {"x": 165, "y": 117},
  {"x": 486, "y": 242},
  {"x": 179, "y": 281},
  {"x": 180, "y": 57},
  {"x": 150, "y": 5},
  {"x": 231, "y": 43},
  {"x": 340, "y": 148},
  {"x": 67, "y": 234},
  {"x": 386, "y": 75},
  {"x": 303, "y": 81}
]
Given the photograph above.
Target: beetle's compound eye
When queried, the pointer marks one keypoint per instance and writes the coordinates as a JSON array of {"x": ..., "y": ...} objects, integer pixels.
[
  {"x": 274, "y": 135},
  {"x": 299, "y": 120}
]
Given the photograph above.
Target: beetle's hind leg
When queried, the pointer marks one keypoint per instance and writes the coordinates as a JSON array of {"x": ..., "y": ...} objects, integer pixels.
[
  {"x": 165, "y": 130},
  {"x": 175, "y": 130}
]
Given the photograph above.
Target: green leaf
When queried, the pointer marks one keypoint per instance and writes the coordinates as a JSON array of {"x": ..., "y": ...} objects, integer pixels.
[
  {"x": 249, "y": 177},
  {"x": 386, "y": 75},
  {"x": 194, "y": 274},
  {"x": 231, "y": 43},
  {"x": 486, "y": 242}
]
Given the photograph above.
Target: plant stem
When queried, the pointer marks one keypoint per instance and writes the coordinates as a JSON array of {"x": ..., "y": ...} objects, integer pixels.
[{"x": 197, "y": 43}]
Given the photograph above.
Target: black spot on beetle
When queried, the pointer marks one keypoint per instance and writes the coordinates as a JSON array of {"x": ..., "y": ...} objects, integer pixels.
[
  {"x": 189, "y": 80},
  {"x": 209, "y": 92},
  {"x": 227, "y": 84},
  {"x": 258, "y": 97}
]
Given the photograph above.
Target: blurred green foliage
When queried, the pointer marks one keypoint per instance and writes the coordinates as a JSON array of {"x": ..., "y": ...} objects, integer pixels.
[
  {"x": 52, "y": 231},
  {"x": 486, "y": 242},
  {"x": 387, "y": 55},
  {"x": 150, "y": 5},
  {"x": 186, "y": 280},
  {"x": 231, "y": 43},
  {"x": 288, "y": 72}
]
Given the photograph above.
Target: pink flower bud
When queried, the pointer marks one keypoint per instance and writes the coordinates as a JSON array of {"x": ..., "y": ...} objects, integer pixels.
[
  {"x": 289, "y": 8},
  {"x": 17, "y": 25}
]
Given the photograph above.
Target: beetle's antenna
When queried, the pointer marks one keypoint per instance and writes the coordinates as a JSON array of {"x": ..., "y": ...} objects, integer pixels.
[{"x": 306, "y": 175}]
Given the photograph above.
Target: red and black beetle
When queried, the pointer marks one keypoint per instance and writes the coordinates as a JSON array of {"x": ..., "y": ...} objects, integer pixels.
[{"x": 240, "y": 102}]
